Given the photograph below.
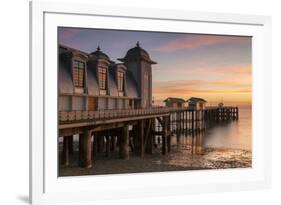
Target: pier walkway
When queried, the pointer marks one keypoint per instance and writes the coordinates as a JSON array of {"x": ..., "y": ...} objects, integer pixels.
[{"x": 131, "y": 130}]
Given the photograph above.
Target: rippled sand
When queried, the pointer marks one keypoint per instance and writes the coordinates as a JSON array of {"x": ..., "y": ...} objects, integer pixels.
[
  {"x": 180, "y": 158},
  {"x": 211, "y": 158}
]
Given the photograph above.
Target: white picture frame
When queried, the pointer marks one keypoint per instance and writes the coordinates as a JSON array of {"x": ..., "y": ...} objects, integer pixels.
[{"x": 46, "y": 186}]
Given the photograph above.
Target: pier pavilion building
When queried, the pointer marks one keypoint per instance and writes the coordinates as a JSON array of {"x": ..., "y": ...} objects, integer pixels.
[{"x": 92, "y": 81}]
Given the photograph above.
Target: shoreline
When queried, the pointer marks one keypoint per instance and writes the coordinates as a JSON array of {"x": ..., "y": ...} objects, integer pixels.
[{"x": 179, "y": 159}]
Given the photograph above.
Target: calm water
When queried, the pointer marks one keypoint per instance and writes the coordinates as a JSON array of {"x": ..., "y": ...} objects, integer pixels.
[
  {"x": 236, "y": 135},
  {"x": 225, "y": 145},
  {"x": 230, "y": 135}
]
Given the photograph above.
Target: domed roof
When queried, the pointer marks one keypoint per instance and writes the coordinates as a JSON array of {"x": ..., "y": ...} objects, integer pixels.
[
  {"x": 99, "y": 54},
  {"x": 137, "y": 52}
]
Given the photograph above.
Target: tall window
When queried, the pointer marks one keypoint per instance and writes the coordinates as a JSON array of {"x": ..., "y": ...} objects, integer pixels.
[
  {"x": 78, "y": 73},
  {"x": 102, "y": 78},
  {"x": 146, "y": 89},
  {"x": 120, "y": 81}
]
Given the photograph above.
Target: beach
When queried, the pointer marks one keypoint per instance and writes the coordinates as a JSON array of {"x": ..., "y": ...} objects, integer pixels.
[
  {"x": 179, "y": 159},
  {"x": 220, "y": 147}
]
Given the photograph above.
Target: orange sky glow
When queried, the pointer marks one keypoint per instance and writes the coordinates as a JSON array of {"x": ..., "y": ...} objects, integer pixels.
[
  {"x": 233, "y": 86},
  {"x": 216, "y": 68},
  {"x": 213, "y": 67}
]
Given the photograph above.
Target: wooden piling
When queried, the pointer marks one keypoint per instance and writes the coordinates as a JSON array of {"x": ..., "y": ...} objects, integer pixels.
[
  {"x": 178, "y": 137},
  {"x": 113, "y": 142},
  {"x": 85, "y": 151},
  {"x": 169, "y": 135},
  {"x": 124, "y": 143},
  {"x": 100, "y": 139},
  {"x": 65, "y": 151},
  {"x": 182, "y": 121},
  {"x": 70, "y": 145},
  {"x": 179, "y": 120},
  {"x": 192, "y": 120},
  {"x": 108, "y": 145},
  {"x": 164, "y": 136},
  {"x": 142, "y": 138},
  {"x": 169, "y": 143},
  {"x": 148, "y": 137},
  {"x": 95, "y": 145}
]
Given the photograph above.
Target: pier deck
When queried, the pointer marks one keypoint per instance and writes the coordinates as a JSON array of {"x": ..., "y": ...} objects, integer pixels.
[{"x": 132, "y": 130}]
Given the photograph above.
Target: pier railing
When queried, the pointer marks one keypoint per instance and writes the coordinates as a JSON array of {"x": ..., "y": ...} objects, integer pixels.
[
  {"x": 210, "y": 113},
  {"x": 68, "y": 116}
]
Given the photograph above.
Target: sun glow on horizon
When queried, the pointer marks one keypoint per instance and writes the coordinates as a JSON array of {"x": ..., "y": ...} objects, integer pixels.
[{"x": 232, "y": 84}]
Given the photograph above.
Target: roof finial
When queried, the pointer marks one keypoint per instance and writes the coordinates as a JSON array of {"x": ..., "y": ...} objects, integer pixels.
[
  {"x": 138, "y": 44},
  {"x": 98, "y": 48}
]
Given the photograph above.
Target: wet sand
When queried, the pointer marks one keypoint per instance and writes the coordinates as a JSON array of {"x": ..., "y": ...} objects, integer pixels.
[
  {"x": 221, "y": 147},
  {"x": 180, "y": 158}
]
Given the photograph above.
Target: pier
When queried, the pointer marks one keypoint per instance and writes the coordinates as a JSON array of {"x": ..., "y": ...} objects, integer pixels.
[{"x": 132, "y": 131}]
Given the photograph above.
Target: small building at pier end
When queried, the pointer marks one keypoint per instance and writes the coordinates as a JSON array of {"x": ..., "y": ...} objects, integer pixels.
[
  {"x": 174, "y": 102},
  {"x": 196, "y": 103},
  {"x": 92, "y": 81}
]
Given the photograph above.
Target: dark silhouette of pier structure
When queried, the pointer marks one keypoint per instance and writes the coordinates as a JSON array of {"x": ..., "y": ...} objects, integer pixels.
[
  {"x": 109, "y": 106},
  {"x": 132, "y": 131}
]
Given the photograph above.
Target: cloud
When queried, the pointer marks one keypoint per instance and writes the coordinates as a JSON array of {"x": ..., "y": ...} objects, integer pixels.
[
  {"x": 211, "y": 90},
  {"x": 226, "y": 70},
  {"x": 210, "y": 83},
  {"x": 67, "y": 34},
  {"x": 242, "y": 72},
  {"x": 196, "y": 41},
  {"x": 187, "y": 91}
]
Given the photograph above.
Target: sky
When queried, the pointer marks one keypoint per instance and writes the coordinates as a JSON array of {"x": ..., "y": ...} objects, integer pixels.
[{"x": 213, "y": 67}]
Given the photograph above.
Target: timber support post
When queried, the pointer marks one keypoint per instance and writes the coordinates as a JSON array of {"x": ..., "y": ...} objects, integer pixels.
[
  {"x": 169, "y": 134},
  {"x": 113, "y": 142},
  {"x": 95, "y": 145},
  {"x": 108, "y": 145},
  {"x": 85, "y": 149},
  {"x": 192, "y": 120},
  {"x": 169, "y": 143},
  {"x": 66, "y": 151},
  {"x": 124, "y": 143},
  {"x": 164, "y": 136},
  {"x": 141, "y": 142},
  {"x": 100, "y": 142},
  {"x": 138, "y": 133},
  {"x": 70, "y": 145},
  {"x": 148, "y": 137}
]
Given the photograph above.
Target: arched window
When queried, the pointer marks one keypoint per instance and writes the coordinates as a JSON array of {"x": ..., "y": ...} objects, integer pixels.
[
  {"x": 102, "y": 78},
  {"x": 120, "y": 81},
  {"x": 79, "y": 75}
]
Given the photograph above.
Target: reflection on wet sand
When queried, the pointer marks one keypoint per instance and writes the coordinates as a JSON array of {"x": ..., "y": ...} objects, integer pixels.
[
  {"x": 191, "y": 153},
  {"x": 187, "y": 152}
]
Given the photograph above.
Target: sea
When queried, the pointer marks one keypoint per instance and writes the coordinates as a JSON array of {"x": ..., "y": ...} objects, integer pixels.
[
  {"x": 234, "y": 135},
  {"x": 224, "y": 145},
  {"x": 220, "y": 146}
]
